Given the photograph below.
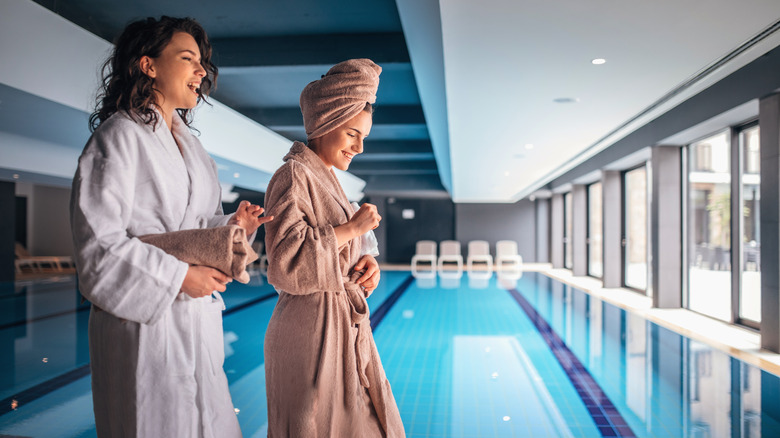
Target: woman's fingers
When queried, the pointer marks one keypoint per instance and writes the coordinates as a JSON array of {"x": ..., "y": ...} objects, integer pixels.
[
  {"x": 264, "y": 219},
  {"x": 201, "y": 281},
  {"x": 371, "y": 276},
  {"x": 220, "y": 276},
  {"x": 366, "y": 218}
]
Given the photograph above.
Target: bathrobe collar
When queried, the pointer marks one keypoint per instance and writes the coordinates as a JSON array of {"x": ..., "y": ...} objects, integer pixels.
[
  {"x": 301, "y": 153},
  {"x": 184, "y": 164}
]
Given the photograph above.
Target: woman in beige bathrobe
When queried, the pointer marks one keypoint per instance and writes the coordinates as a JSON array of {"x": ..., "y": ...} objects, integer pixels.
[{"x": 323, "y": 373}]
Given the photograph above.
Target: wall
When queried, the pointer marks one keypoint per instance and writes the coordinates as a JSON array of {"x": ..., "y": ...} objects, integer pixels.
[
  {"x": 50, "y": 217},
  {"x": 543, "y": 230},
  {"x": 433, "y": 220},
  {"x": 7, "y": 230},
  {"x": 494, "y": 222}
]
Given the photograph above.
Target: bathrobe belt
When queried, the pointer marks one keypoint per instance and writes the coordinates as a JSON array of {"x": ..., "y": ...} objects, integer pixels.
[{"x": 359, "y": 318}]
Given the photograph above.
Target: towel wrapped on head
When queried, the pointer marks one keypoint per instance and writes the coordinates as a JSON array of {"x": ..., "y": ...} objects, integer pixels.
[
  {"x": 222, "y": 248},
  {"x": 340, "y": 95}
]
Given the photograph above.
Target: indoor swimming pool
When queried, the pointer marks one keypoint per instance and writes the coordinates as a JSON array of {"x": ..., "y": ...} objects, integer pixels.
[{"x": 473, "y": 356}]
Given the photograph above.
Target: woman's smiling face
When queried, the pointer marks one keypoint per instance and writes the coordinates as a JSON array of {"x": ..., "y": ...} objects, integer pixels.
[
  {"x": 338, "y": 147},
  {"x": 177, "y": 73}
]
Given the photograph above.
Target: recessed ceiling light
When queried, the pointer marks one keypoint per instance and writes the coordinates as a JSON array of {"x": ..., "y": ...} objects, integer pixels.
[
  {"x": 236, "y": 175},
  {"x": 16, "y": 176},
  {"x": 506, "y": 173},
  {"x": 598, "y": 61},
  {"x": 529, "y": 146},
  {"x": 566, "y": 100}
]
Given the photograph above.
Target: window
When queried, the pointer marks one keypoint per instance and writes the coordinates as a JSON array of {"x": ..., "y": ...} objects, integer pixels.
[
  {"x": 635, "y": 251},
  {"x": 750, "y": 290},
  {"x": 567, "y": 230},
  {"x": 709, "y": 228},
  {"x": 595, "y": 259}
]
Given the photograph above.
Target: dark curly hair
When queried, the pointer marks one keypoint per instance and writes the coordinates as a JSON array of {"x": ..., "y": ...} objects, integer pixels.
[{"x": 126, "y": 88}]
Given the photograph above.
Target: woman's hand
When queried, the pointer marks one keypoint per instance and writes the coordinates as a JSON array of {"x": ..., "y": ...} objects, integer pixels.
[
  {"x": 247, "y": 216},
  {"x": 201, "y": 281},
  {"x": 363, "y": 221},
  {"x": 370, "y": 279}
]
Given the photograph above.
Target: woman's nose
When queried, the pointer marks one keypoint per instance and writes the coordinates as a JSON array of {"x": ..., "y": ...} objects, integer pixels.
[
  {"x": 358, "y": 147},
  {"x": 200, "y": 71}
]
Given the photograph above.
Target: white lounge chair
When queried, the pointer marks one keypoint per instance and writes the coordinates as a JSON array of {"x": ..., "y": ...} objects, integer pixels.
[
  {"x": 449, "y": 252},
  {"x": 479, "y": 252},
  {"x": 23, "y": 259},
  {"x": 507, "y": 258},
  {"x": 425, "y": 251}
]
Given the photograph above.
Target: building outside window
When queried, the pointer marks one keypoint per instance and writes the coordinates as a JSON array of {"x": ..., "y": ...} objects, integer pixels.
[
  {"x": 709, "y": 227},
  {"x": 595, "y": 232}
]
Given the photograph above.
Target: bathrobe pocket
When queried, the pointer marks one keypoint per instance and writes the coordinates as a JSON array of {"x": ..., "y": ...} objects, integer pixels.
[
  {"x": 211, "y": 330},
  {"x": 180, "y": 336}
]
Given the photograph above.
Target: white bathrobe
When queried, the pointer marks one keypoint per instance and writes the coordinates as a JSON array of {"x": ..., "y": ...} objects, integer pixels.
[{"x": 156, "y": 354}]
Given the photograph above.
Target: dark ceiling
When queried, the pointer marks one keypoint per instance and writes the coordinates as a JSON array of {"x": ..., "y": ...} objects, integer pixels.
[{"x": 267, "y": 51}]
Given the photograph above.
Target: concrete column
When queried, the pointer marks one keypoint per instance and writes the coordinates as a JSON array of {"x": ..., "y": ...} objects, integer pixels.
[
  {"x": 612, "y": 201},
  {"x": 7, "y": 230},
  {"x": 579, "y": 230},
  {"x": 769, "y": 120},
  {"x": 543, "y": 230},
  {"x": 556, "y": 231},
  {"x": 666, "y": 226}
]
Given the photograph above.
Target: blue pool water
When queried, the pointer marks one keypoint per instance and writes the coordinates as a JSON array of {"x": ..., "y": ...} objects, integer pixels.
[{"x": 466, "y": 357}]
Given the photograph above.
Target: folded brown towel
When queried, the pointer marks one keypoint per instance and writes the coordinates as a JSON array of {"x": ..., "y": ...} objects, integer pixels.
[
  {"x": 339, "y": 96},
  {"x": 223, "y": 248}
]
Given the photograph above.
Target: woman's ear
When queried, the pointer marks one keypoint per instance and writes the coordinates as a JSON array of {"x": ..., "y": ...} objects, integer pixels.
[{"x": 147, "y": 66}]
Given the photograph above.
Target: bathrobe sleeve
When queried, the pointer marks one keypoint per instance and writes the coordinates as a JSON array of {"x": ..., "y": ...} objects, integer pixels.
[
  {"x": 118, "y": 273},
  {"x": 303, "y": 253},
  {"x": 220, "y": 219}
]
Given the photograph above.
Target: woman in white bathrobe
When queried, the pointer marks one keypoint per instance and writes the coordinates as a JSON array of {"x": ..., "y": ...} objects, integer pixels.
[{"x": 155, "y": 329}]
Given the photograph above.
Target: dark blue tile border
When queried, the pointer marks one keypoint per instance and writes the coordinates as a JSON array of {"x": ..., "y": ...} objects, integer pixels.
[
  {"x": 606, "y": 417},
  {"x": 42, "y": 389},
  {"x": 380, "y": 313},
  {"x": 38, "y": 391},
  {"x": 55, "y": 383},
  {"x": 250, "y": 303},
  {"x": 44, "y": 317}
]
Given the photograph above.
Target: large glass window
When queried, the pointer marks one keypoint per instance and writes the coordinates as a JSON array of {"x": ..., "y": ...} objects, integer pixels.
[
  {"x": 595, "y": 258},
  {"x": 568, "y": 217},
  {"x": 750, "y": 292},
  {"x": 709, "y": 226},
  {"x": 635, "y": 251}
]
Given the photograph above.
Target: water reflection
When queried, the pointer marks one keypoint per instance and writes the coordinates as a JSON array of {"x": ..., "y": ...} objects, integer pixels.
[
  {"x": 479, "y": 279},
  {"x": 56, "y": 342},
  {"x": 664, "y": 384},
  {"x": 488, "y": 373}
]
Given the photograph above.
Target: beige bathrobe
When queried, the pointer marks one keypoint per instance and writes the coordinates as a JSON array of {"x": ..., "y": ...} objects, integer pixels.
[{"x": 323, "y": 373}]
